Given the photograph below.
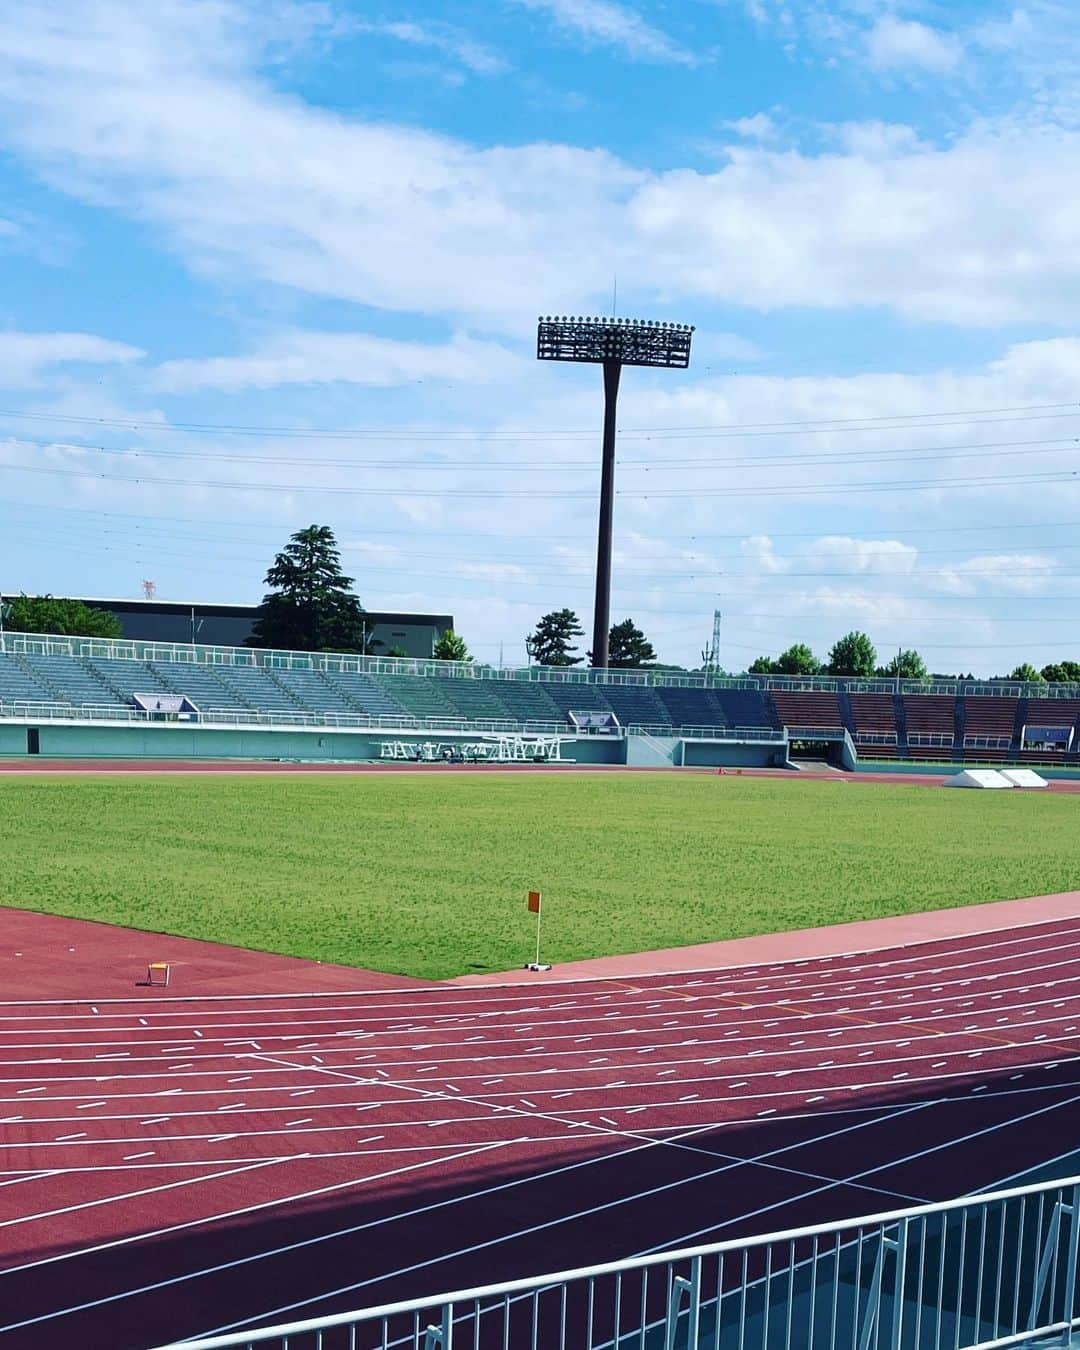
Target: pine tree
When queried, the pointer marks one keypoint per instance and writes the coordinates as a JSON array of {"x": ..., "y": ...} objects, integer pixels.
[
  {"x": 628, "y": 647},
  {"x": 552, "y": 644},
  {"x": 310, "y": 606}
]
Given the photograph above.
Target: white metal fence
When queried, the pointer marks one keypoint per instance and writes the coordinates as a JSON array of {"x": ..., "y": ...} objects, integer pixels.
[
  {"x": 974, "y": 1274},
  {"x": 199, "y": 654}
]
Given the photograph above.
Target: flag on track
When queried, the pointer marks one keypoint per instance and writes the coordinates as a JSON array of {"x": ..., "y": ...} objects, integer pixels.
[{"x": 534, "y": 902}]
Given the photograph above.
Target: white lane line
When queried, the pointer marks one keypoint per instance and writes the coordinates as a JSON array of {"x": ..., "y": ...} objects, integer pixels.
[
  {"x": 846, "y": 1089},
  {"x": 478, "y": 994},
  {"x": 134, "y": 1195},
  {"x": 1003, "y": 939},
  {"x": 727, "y": 1165},
  {"x": 1026, "y": 1009}
]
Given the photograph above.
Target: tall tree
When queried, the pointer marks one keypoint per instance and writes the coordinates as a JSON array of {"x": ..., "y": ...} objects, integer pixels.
[
  {"x": 1028, "y": 674},
  {"x": 68, "y": 618},
  {"x": 763, "y": 665},
  {"x": 450, "y": 647},
  {"x": 906, "y": 666},
  {"x": 310, "y": 606},
  {"x": 797, "y": 660},
  {"x": 853, "y": 654},
  {"x": 1062, "y": 672},
  {"x": 552, "y": 644},
  {"x": 628, "y": 647}
]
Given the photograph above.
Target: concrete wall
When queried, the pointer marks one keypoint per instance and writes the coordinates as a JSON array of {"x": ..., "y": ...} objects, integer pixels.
[
  {"x": 176, "y": 741},
  {"x": 710, "y": 754}
]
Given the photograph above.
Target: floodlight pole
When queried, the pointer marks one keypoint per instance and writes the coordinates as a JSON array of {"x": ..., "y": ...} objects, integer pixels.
[
  {"x": 602, "y": 604},
  {"x": 612, "y": 343}
]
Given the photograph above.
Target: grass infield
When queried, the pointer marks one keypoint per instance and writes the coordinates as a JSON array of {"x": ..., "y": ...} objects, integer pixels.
[{"x": 426, "y": 874}]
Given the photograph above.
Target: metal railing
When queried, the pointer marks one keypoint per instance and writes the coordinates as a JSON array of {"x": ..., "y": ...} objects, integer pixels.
[
  {"x": 987, "y": 1271},
  {"x": 22, "y": 710},
  {"x": 40, "y": 644}
]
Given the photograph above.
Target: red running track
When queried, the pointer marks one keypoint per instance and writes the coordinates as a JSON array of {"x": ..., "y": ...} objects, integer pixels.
[{"x": 181, "y": 1166}]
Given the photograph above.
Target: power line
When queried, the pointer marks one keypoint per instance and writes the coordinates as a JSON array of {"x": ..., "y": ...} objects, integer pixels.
[
  {"x": 405, "y": 490},
  {"x": 819, "y": 425},
  {"x": 904, "y": 454}
]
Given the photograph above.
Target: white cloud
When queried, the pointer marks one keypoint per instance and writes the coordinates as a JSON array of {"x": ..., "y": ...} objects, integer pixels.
[
  {"x": 612, "y": 25},
  {"x": 905, "y": 45},
  {"x": 24, "y": 357},
  {"x": 466, "y": 51},
  {"x": 1019, "y": 573},
  {"x": 351, "y": 358},
  {"x": 156, "y": 111},
  {"x": 758, "y": 127}
]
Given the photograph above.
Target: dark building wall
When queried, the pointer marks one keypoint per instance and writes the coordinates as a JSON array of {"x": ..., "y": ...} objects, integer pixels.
[{"x": 231, "y": 625}]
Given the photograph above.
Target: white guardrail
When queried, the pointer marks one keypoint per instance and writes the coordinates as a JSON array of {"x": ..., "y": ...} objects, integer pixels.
[
  {"x": 19, "y": 710},
  {"x": 43, "y": 644},
  {"x": 978, "y": 1273}
]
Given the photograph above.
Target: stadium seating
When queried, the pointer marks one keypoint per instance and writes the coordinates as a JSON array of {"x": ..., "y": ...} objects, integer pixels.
[
  {"x": 1050, "y": 712},
  {"x": 747, "y": 708},
  {"x": 883, "y": 725},
  {"x": 364, "y": 695},
  {"x": 989, "y": 725},
  {"x": 874, "y": 724},
  {"x": 124, "y": 678},
  {"x": 72, "y": 680},
  {"x": 197, "y": 683},
  {"x": 808, "y": 709},
  {"x": 417, "y": 695},
  {"x": 931, "y": 725},
  {"x": 529, "y": 701},
  {"x": 312, "y": 691},
  {"x": 259, "y": 689},
  {"x": 637, "y": 706},
  {"x": 478, "y": 700},
  {"x": 693, "y": 707},
  {"x": 576, "y": 698},
  {"x": 18, "y": 684}
]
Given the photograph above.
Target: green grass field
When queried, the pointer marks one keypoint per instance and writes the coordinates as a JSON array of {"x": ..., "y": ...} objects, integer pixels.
[{"x": 426, "y": 875}]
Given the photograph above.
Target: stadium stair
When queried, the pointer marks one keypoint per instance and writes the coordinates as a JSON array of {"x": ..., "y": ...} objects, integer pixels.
[
  {"x": 364, "y": 695},
  {"x": 74, "y": 681},
  {"x": 261, "y": 693},
  {"x": 901, "y": 725},
  {"x": 198, "y": 683},
  {"x": 419, "y": 696},
  {"x": 19, "y": 684},
  {"x": 312, "y": 691},
  {"x": 529, "y": 701},
  {"x": 475, "y": 699}
]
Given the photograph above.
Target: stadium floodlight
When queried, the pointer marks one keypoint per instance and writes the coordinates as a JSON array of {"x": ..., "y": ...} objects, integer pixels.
[{"x": 611, "y": 343}]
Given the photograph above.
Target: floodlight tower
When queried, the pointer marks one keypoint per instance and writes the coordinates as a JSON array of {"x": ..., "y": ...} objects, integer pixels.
[{"x": 611, "y": 343}]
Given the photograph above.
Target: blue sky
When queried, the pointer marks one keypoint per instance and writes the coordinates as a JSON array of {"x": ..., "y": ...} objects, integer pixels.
[{"x": 268, "y": 264}]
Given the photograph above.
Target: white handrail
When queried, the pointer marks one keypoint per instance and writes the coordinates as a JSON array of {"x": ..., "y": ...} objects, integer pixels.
[{"x": 504, "y": 1290}]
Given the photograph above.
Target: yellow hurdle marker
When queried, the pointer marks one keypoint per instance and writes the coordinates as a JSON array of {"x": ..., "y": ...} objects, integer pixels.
[{"x": 158, "y": 972}]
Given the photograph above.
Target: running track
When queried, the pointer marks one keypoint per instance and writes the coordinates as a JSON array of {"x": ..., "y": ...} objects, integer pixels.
[{"x": 180, "y": 1166}]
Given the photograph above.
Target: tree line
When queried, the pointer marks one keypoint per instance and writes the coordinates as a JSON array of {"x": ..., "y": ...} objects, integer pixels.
[{"x": 310, "y": 605}]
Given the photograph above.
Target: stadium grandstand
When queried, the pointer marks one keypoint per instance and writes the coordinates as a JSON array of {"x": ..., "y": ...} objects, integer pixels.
[{"x": 70, "y": 696}]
